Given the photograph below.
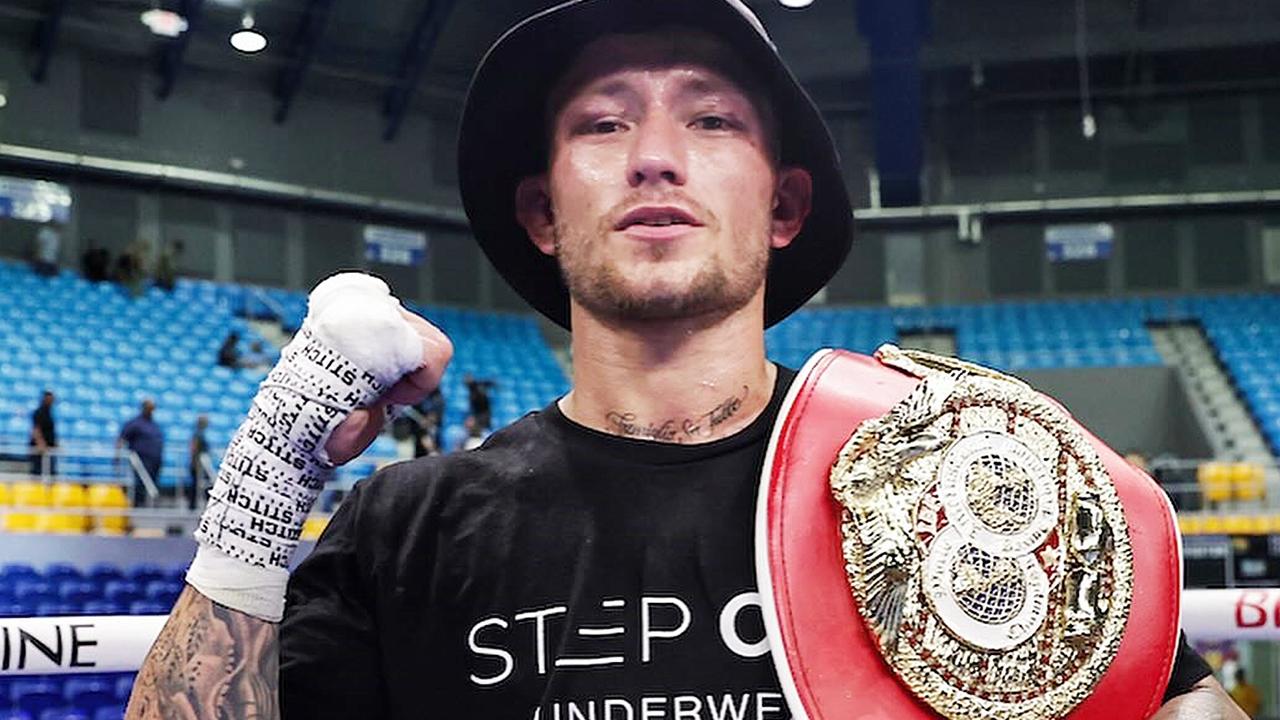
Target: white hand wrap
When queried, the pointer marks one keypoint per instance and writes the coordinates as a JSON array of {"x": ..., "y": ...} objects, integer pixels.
[{"x": 353, "y": 345}]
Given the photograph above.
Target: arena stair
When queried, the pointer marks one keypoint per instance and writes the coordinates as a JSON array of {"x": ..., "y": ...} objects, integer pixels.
[{"x": 1230, "y": 429}]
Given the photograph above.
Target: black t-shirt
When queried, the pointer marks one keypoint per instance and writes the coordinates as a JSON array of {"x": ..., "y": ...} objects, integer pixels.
[
  {"x": 43, "y": 418},
  {"x": 555, "y": 573}
]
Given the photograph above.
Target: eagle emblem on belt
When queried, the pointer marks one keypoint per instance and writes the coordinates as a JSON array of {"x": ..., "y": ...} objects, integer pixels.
[{"x": 984, "y": 543}]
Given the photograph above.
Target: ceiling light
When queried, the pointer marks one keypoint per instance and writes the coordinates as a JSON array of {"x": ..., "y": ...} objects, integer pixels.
[
  {"x": 247, "y": 39},
  {"x": 164, "y": 22},
  {"x": 796, "y": 3}
]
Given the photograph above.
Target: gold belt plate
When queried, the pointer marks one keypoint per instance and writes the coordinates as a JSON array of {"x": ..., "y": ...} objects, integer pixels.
[{"x": 984, "y": 543}]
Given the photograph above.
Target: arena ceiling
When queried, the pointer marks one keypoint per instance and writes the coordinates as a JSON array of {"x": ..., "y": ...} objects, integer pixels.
[
  {"x": 403, "y": 52},
  {"x": 368, "y": 42}
]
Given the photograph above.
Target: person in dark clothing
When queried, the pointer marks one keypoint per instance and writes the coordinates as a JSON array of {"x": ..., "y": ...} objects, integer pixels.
[
  {"x": 167, "y": 265},
  {"x": 94, "y": 262},
  {"x": 44, "y": 437},
  {"x": 143, "y": 436},
  {"x": 198, "y": 449},
  {"x": 478, "y": 395},
  {"x": 129, "y": 267},
  {"x": 432, "y": 409},
  {"x": 229, "y": 353},
  {"x": 592, "y": 559}
]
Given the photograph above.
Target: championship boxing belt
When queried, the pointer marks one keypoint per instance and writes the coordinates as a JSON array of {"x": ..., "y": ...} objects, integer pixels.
[{"x": 934, "y": 538}]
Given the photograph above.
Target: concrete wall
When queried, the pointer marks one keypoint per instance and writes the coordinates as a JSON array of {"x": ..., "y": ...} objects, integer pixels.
[
  {"x": 1142, "y": 408},
  {"x": 1152, "y": 254}
]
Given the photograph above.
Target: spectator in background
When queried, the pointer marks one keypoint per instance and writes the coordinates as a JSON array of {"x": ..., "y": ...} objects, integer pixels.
[
  {"x": 229, "y": 353},
  {"x": 257, "y": 357},
  {"x": 94, "y": 262},
  {"x": 432, "y": 409},
  {"x": 198, "y": 448},
  {"x": 44, "y": 257},
  {"x": 142, "y": 435},
  {"x": 1246, "y": 695},
  {"x": 478, "y": 395},
  {"x": 1138, "y": 460},
  {"x": 129, "y": 267},
  {"x": 167, "y": 265},
  {"x": 44, "y": 437},
  {"x": 475, "y": 434}
]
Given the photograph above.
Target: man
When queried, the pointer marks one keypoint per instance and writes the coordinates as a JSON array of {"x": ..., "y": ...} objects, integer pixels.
[
  {"x": 478, "y": 399},
  {"x": 44, "y": 438},
  {"x": 197, "y": 453},
  {"x": 1246, "y": 695},
  {"x": 143, "y": 436},
  {"x": 229, "y": 351},
  {"x": 167, "y": 265},
  {"x": 44, "y": 256},
  {"x": 475, "y": 434},
  {"x": 94, "y": 262},
  {"x": 648, "y": 172}
]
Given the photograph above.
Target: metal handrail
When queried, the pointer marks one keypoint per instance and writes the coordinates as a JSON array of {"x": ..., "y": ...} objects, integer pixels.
[
  {"x": 80, "y": 451},
  {"x": 204, "y": 478},
  {"x": 148, "y": 483},
  {"x": 275, "y": 307}
]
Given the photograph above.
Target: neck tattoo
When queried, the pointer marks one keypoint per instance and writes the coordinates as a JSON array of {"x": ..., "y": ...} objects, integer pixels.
[{"x": 691, "y": 429}]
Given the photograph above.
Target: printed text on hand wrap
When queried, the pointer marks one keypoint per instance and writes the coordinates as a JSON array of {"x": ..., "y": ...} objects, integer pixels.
[{"x": 276, "y": 466}]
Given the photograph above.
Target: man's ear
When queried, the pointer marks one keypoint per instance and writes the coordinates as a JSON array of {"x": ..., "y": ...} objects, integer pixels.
[
  {"x": 534, "y": 213},
  {"x": 791, "y": 204}
]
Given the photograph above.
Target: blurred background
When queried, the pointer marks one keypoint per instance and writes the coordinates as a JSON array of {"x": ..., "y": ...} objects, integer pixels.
[{"x": 1080, "y": 192}]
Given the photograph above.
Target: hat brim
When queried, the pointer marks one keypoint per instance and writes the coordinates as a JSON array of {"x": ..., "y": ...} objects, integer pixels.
[{"x": 503, "y": 140}]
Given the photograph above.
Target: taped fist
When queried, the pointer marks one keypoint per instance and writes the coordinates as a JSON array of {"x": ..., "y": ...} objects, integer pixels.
[{"x": 357, "y": 353}]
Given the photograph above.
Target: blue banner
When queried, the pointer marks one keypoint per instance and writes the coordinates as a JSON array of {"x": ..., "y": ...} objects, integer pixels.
[
  {"x": 1071, "y": 243},
  {"x": 394, "y": 246}
]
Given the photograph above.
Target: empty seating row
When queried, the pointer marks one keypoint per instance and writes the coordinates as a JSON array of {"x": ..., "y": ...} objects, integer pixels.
[{"x": 65, "y": 697}]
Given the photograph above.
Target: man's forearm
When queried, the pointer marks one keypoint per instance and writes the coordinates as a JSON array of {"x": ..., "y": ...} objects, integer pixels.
[
  {"x": 209, "y": 662},
  {"x": 1206, "y": 701}
]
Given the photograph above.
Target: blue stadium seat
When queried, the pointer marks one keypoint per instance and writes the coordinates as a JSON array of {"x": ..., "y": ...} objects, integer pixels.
[
  {"x": 124, "y": 686},
  {"x": 144, "y": 607},
  {"x": 144, "y": 573},
  {"x": 35, "y": 696}
]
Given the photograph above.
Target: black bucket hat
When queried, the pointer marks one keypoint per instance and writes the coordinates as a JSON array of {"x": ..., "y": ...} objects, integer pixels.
[{"x": 503, "y": 140}]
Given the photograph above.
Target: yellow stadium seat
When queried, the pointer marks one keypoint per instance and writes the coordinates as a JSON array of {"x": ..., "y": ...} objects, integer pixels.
[
  {"x": 1212, "y": 525},
  {"x": 1215, "y": 481},
  {"x": 1189, "y": 524},
  {"x": 6, "y": 495},
  {"x": 314, "y": 526},
  {"x": 1247, "y": 482},
  {"x": 106, "y": 496},
  {"x": 1236, "y": 524},
  {"x": 19, "y": 522},
  {"x": 29, "y": 494},
  {"x": 109, "y": 496},
  {"x": 67, "y": 495}
]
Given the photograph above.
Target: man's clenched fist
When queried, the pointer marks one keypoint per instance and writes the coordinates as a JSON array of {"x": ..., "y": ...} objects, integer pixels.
[{"x": 363, "y": 425}]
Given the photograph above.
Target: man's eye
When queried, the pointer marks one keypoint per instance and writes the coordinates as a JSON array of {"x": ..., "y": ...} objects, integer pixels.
[
  {"x": 604, "y": 127},
  {"x": 711, "y": 122}
]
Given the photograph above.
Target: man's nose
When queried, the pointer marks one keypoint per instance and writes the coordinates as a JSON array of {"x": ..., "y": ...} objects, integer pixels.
[{"x": 657, "y": 153}]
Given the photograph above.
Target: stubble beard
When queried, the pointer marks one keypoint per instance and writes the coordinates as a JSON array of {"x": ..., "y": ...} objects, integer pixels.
[{"x": 602, "y": 288}]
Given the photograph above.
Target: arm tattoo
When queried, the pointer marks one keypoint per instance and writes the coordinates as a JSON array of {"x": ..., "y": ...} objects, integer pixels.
[
  {"x": 209, "y": 663},
  {"x": 674, "y": 431}
]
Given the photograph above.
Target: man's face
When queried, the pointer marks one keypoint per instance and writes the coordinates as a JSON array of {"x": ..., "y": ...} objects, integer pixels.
[{"x": 660, "y": 198}]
